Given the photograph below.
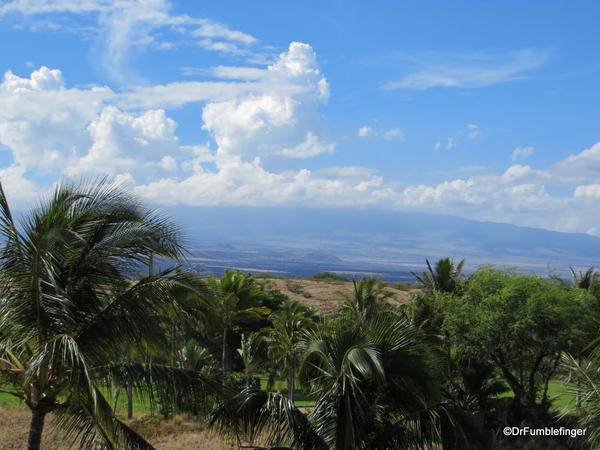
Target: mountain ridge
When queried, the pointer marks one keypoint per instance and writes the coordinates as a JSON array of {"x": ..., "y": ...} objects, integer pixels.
[{"x": 392, "y": 239}]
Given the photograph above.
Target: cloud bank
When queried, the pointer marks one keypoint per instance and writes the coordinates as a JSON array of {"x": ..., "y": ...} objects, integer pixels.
[{"x": 267, "y": 109}]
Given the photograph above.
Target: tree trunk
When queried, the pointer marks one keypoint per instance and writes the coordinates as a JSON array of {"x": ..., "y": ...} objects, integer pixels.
[
  {"x": 226, "y": 362},
  {"x": 129, "y": 393},
  {"x": 116, "y": 397},
  {"x": 129, "y": 401},
  {"x": 578, "y": 396},
  {"x": 513, "y": 382},
  {"x": 174, "y": 363},
  {"x": 36, "y": 428},
  {"x": 292, "y": 381}
]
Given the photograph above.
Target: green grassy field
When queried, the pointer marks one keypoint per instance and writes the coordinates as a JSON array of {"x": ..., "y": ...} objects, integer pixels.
[
  {"x": 303, "y": 398},
  {"x": 141, "y": 404},
  {"x": 562, "y": 398},
  {"x": 559, "y": 393},
  {"x": 7, "y": 399}
]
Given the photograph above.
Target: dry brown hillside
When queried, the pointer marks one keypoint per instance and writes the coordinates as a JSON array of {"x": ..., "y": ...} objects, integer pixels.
[{"x": 323, "y": 294}]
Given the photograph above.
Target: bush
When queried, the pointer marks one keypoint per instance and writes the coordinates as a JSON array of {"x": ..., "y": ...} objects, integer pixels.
[
  {"x": 265, "y": 275},
  {"x": 404, "y": 286},
  {"x": 329, "y": 276}
]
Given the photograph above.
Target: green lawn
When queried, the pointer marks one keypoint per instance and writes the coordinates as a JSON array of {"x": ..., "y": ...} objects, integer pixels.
[
  {"x": 7, "y": 399},
  {"x": 303, "y": 398},
  {"x": 140, "y": 405},
  {"x": 561, "y": 396},
  {"x": 559, "y": 393}
]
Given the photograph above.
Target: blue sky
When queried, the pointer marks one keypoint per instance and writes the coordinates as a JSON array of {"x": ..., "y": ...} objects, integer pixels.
[{"x": 486, "y": 110}]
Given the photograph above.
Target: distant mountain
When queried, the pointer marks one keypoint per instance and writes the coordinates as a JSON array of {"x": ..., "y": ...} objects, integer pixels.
[{"x": 373, "y": 239}]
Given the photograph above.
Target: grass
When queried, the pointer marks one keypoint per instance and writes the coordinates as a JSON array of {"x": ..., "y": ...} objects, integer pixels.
[
  {"x": 8, "y": 400},
  {"x": 303, "y": 398},
  {"x": 559, "y": 393},
  {"x": 141, "y": 404}
]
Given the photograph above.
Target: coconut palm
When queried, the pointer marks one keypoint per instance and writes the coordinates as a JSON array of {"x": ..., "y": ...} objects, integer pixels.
[
  {"x": 443, "y": 277},
  {"x": 68, "y": 308},
  {"x": 234, "y": 299}
]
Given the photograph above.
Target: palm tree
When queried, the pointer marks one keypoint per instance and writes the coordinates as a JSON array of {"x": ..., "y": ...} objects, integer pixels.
[
  {"x": 285, "y": 337},
  {"x": 585, "y": 280},
  {"x": 367, "y": 299},
  {"x": 68, "y": 308},
  {"x": 375, "y": 386},
  {"x": 586, "y": 373},
  {"x": 441, "y": 278},
  {"x": 473, "y": 383},
  {"x": 250, "y": 352},
  {"x": 234, "y": 299}
]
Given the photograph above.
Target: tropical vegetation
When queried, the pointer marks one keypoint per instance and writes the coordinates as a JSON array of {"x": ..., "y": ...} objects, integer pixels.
[{"x": 84, "y": 316}]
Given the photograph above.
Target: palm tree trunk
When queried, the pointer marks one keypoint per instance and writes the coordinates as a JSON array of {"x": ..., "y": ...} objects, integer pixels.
[
  {"x": 292, "y": 381},
  {"x": 35, "y": 429},
  {"x": 129, "y": 392},
  {"x": 116, "y": 397},
  {"x": 225, "y": 357},
  {"x": 173, "y": 363},
  {"x": 578, "y": 396},
  {"x": 129, "y": 401}
]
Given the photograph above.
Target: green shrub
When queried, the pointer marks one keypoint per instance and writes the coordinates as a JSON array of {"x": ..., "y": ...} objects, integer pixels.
[{"x": 329, "y": 276}]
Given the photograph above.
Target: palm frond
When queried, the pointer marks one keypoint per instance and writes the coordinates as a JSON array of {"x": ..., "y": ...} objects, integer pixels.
[
  {"x": 89, "y": 421},
  {"x": 159, "y": 382},
  {"x": 253, "y": 412}
]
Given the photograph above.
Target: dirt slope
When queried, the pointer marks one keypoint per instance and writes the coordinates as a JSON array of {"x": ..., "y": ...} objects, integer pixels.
[{"x": 324, "y": 295}]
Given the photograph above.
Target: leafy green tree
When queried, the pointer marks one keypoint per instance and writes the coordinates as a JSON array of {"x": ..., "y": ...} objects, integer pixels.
[
  {"x": 234, "y": 299},
  {"x": 68, "y": 308},
  {"x": 443, "y": 277},
  {"x": 522, "y": 324}
]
